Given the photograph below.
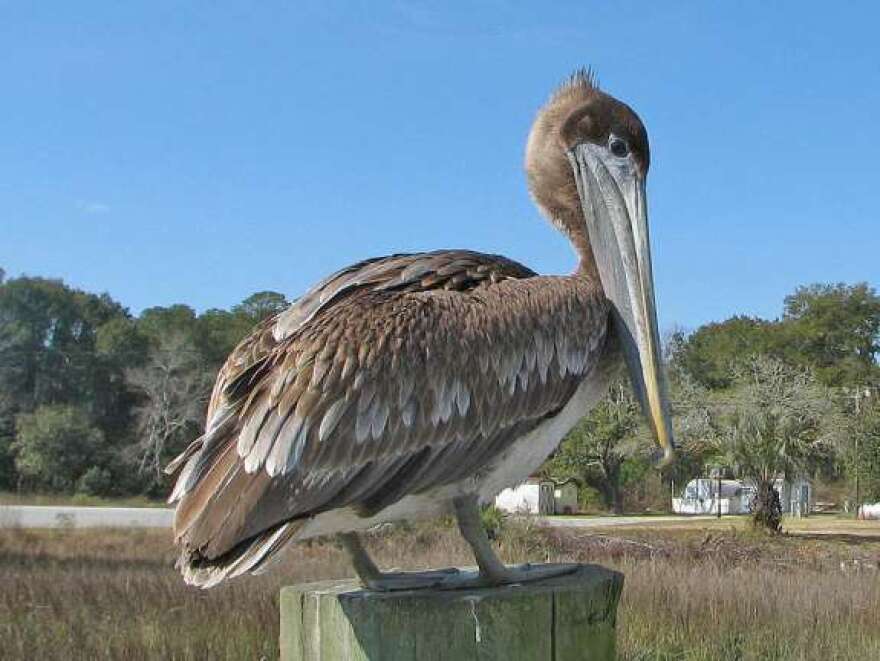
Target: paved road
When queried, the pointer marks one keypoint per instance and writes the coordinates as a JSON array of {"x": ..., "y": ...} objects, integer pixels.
[
  {"x": 32, "y": 516},
  {"x": 613, "y": 521}
]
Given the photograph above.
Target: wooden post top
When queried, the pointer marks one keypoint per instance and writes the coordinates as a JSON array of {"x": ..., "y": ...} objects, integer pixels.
[{"x": 557, "y": 619}]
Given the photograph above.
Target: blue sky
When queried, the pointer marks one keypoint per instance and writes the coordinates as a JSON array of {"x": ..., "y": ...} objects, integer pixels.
[{"x": 198, "y": 152}]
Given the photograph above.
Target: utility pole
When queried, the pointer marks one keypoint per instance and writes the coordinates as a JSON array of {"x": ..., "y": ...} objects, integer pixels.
[
  {"x": 858, "y": 394},
  {"x": 716, "y": 472},
  {"x": 858, "y": 474}
]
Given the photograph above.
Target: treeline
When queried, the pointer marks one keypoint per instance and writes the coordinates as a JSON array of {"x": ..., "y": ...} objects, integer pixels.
[
  {"x": 95, "y": 400},
  {"x": 754, "y": 399},
  {"x": 832, "y": 330}
]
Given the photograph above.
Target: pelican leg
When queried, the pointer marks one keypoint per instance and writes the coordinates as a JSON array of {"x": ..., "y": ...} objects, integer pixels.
[
  {"x": 371, "y": 577},
  {"x": 492, "y": 570},
  {"x": 470, "y": 524},
  {"x": 363, "y": 564}
]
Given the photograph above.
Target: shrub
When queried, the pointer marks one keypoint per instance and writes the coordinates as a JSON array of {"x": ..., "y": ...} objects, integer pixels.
[
  {"x": 55, "y": 446},
  {"x": 493, "y": 520},
  {"x": 96, "y": 481}
]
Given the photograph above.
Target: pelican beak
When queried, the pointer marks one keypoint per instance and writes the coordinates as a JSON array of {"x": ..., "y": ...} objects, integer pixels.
[{"x": 614, "y": 203}]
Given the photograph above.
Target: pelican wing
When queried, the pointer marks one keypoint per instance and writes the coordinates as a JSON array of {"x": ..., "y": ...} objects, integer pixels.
[{"x": 389, "y": 378}]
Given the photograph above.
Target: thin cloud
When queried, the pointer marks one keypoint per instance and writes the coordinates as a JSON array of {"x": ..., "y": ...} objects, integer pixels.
[{"x": 92, "y": 208}]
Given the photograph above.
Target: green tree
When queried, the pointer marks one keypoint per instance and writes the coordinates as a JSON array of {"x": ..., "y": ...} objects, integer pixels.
[
  {"x": 594, "y": 451},
  {"x": 694, "y": 425},
  {"x": 55, "y": 446},
  {"x": 158, "y": 322},
  {"x": 835, "y": 330},
  {"x": 832, "y": 329},
  {"x": 47, "y": 341},
  {"x": 141, "y": 384},
  {"x": 7, "y": 437},
  {"x": 713, "y": 351},
  {"x": 219, "y": 332},
  {"x": 866, "y": 461},
  {"x": 120, "y": 341},
  {"x": 261, "y": 305},
  {"x": 857, "y": 436},
  {"x": 48, "y": 353},
  {"x": 772, "y": 428}
]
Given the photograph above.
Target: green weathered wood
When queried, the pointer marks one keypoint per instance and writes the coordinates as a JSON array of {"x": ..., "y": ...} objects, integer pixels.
[{"x": 560, "y": 619}]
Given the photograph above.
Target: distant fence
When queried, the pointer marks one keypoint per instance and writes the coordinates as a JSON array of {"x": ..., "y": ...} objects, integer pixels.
[{"x": 32, "y": 516}]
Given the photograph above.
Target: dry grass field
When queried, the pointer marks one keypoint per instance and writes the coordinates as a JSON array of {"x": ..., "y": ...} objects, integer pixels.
[{"x": 716, "y": 593}]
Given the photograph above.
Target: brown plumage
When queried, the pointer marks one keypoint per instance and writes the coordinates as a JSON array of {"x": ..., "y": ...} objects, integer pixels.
[
  {"x": 396, "y": 376},
  {"x": 352, "y": 396}
]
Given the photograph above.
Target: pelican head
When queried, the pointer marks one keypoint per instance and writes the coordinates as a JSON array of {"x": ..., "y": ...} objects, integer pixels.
[{"x": 587, "y": 161}]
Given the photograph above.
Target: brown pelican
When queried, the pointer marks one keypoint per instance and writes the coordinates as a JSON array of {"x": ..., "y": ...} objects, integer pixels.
[{"x": 416, "y": 385}]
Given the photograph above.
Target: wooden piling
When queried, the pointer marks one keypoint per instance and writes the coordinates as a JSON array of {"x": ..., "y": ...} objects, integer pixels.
[{"x": 559, "y": 619}]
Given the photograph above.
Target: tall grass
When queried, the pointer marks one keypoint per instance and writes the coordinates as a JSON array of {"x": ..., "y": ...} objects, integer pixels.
[
  {"x": 112, "y": 594},
  {"x": 677, "y": 611}
]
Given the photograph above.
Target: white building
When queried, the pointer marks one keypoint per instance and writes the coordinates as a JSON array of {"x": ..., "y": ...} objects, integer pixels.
[
  {"x": 869, "y": 511},
  {"x": 539, "y": 496},
  {"x": 795, "y": 496},
  {"x": 701, "y": 496}
]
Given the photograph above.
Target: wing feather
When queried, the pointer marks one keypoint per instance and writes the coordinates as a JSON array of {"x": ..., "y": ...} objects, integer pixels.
[{"x": 390, "y": 377}]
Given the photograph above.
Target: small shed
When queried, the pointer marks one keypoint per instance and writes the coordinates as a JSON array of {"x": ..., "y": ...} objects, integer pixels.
[
  {"x": 565, "y": 497},
  {"x": 539, "y": 495},
  {"x": 795, "y": 496}
]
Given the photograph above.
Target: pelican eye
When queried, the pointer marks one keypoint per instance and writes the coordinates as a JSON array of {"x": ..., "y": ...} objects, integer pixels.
[{"x": 618, "y": 147}]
